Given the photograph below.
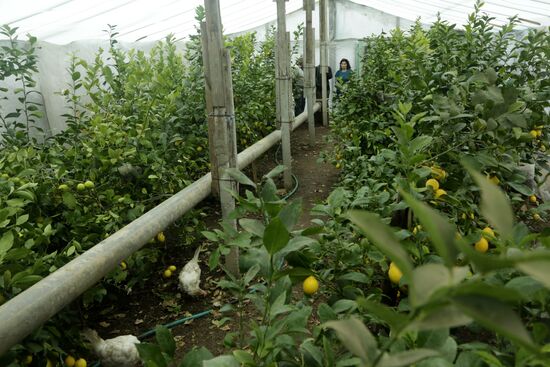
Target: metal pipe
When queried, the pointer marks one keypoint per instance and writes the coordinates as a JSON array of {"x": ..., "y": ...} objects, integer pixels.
[{"x": 27, "y": 311}]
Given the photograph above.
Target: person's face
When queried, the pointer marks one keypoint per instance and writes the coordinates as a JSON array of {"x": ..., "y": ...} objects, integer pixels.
[{"x": 343, "y": 65}]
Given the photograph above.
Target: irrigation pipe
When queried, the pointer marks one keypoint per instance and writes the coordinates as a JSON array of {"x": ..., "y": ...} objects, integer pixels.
[{"x": 27, "y": 311}]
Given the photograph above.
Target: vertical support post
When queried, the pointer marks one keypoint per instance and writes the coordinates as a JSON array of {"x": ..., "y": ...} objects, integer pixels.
[
  {"x": 285, "y": 114},
  {"x": 309, "y": 68},
  {"x": 324, "y": 56},
  {"x": 221, "y": 116}
]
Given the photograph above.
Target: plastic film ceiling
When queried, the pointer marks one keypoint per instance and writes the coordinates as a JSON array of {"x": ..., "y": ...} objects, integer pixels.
[{"x": 64, "y": 21}]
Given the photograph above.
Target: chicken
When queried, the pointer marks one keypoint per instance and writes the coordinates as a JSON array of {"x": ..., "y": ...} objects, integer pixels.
[
  {"x": 190, "y": 276},
  {"x": 120, "y": 351}
]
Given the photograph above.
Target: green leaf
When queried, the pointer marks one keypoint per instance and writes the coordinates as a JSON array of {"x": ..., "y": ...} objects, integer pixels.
[
  {"x": 384, "y": 313},
  {"x": 244, "y": 357},
  {"x": 326, "y": 313},
  {"x": 253, "y": 226},
  {"x": 151, "y": 353},
  {"x": 251, "y": 273},
  {"x": 440, "y": 231},
  {"x": 407, "y": 358},
  {"x": 383, "y": 237},
  {"x": 69, "y": 200},
  {"x": 6, "y": 242},
  {"x": 240, "y": 177},
  {"x": 165, "y": 340},
  {"x": 195, "y": 357},
  {"x": 275, "y": 171},
  {"x": 22, "y": 219},
  {"x": 495, "y": 206},
  {"x": 275, "y": 236},
  {"x": 522, "y": 189},
  {"x": 538, "y": 269},
  {"x": 426, "y": 280},
  {"x": 311, "y": 353},
  {"x": 355, "y": 336},
  {"x": 222, "y": 361},
  {"x": 526, "y": 286},
  {"x": 355, "y": 277},
  {"x": 290, "y": 214},
  {"x": 297, "y": 243},
  {"x": 445, "y": 316},
  {"x": 496, "y": 316}
]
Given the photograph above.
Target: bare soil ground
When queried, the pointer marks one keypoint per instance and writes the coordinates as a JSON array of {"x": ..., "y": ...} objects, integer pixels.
[{"x": 160, "y": 302}]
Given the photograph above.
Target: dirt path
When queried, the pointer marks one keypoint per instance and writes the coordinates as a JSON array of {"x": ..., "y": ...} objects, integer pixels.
[{"x": 160, "y": 301}]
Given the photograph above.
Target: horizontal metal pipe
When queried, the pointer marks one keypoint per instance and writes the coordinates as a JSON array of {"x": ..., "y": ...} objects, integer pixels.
[{"x": 24, "y": 313}]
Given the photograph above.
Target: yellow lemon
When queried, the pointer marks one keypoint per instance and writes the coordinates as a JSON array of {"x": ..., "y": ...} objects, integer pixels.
[
  {"x": 28, "y": 359},
  {"x": 81, "y": 362},
  {"x": 439, "y": 193},
  {"x": 482, "y": 245},
  {"x": 463, "y": 216},
  {"x": 123, "y": 266},
  {"x": 63, "y": 187},
  {"x": 472, "y": 216},
  {"x": 172, "y": 268},
  {"x": 417, "y": 228},
  {"x": 70, "y": 361},
  {"x": 533, "y": 134},
  {"x": 433, "y": 183},
  {"x": 539, "y": 133},
  {"x": 167, "y": 273},
  {"x": 439, "y": 173},
  {"x": 537, "y": 217},
  {"x": 89, "y": 184},
  {"x": 488, "y": 231},
  {"x": 161, "y": 237},
  {"x": 199, "y": 149},
  {"x": 394, "y": 273},
  {"x": 338, "y": 165},
  {"x": 533, "y": 198},
  {"x": 81, "y": 187},
  {"x": 494, "y": 179},
  {"x": 49, "y": 363},
  {"x": 311, "y": 285}
]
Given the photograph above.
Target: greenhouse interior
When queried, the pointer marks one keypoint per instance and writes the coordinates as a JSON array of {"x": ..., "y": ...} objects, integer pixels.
[{"x": 274, "y": 183}]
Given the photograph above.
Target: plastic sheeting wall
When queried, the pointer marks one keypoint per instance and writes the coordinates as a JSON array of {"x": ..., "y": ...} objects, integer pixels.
[{"x": 348, "y": 23}]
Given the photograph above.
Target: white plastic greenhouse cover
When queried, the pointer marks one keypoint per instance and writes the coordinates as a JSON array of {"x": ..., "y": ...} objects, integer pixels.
[{"x": 64, "y": 21}]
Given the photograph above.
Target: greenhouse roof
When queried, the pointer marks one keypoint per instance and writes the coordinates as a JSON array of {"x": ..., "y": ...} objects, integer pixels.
[{"x": 63, "y": 21}]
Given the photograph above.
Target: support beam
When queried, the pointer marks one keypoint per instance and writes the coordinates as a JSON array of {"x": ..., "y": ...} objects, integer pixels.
[
  {"x": 285, "y": 114},
  {"x": 309, "y": 68},
  {"x": 221, "y": 116},
  {"x": 324, "y": 56}
]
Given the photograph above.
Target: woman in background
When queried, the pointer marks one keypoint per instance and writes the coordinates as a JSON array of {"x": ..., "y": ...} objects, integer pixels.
[{"x": 343, "y": 76}]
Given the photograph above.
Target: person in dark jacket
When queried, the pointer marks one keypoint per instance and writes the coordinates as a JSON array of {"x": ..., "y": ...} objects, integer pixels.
[{"x": 318, "y": 81}]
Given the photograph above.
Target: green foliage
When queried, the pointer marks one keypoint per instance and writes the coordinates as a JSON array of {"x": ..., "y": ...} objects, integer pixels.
[{"x": 136, "y": 134}]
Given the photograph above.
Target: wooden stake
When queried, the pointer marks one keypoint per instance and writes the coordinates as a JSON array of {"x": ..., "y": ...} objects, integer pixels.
[
  {"x": 221, "y": 116},
  {"x": 285, "y": 114},
  {"x": 309, "y": 68},
  {"x": 324, "y": 56}
]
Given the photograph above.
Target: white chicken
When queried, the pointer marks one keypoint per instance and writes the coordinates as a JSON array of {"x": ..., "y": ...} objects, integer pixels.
[
  {"x": 190, "y": 276},
  {"x": 120, "y": 351}
]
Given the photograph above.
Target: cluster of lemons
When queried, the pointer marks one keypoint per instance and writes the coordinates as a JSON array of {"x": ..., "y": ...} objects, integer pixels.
[
  {"x": 434, "y": 184},
  {"x": 70, "y": 361},
  {"x": 169, "y": 271},
  {"x": 80, "y": 186}
]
